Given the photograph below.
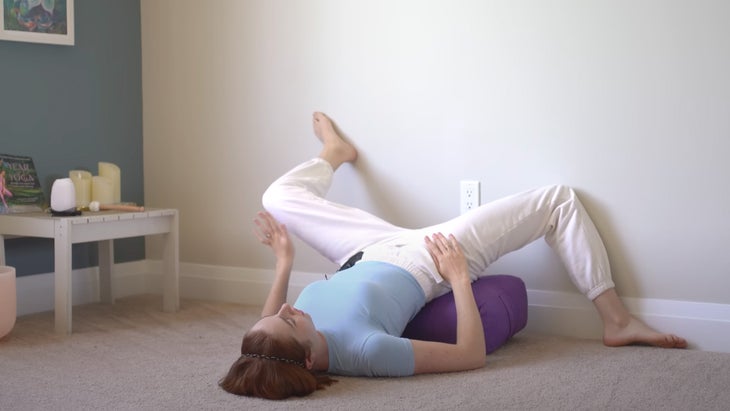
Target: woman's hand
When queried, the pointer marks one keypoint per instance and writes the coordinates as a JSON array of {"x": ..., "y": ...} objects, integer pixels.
[
  {"x": 448, "y": 257},
  {"x": 272, "y": 234},
  {"x": 468, "y": 351}
]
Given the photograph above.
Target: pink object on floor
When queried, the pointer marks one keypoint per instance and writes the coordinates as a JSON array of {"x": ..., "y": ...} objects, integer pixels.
[{"x": 8, "y": 302}]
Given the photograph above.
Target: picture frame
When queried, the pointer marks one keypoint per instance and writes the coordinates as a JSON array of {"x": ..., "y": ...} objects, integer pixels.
[{"x": 38, "y": 21}]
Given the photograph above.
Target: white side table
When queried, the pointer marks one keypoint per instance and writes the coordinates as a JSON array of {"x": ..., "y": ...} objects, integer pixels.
[{"x": 103, "y": 227}]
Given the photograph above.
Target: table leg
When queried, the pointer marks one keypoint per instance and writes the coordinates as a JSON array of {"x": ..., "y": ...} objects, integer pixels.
[
  {"x": 171, "y": 267},
  {"x": 62, "y": 268},
  {"x": 2, "y": 249},
  {"x": 106, "y": 265}
]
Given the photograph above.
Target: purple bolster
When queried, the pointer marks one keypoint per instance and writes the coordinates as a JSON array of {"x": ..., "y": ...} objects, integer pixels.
[{"x": 502, "y": 304}]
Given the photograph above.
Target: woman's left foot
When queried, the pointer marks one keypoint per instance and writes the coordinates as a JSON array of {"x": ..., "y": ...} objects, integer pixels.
[{"x": 335, "y": 149}]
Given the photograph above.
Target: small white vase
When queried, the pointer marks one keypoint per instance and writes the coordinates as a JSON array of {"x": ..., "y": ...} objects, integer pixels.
[{"x": 8, "y": 302}]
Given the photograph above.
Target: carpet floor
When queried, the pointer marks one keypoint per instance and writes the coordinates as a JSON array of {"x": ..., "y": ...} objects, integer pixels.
[{"x": 133, "y": 356}]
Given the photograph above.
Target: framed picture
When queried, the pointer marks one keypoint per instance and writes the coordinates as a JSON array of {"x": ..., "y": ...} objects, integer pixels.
[{"x": 38, "y": 21}]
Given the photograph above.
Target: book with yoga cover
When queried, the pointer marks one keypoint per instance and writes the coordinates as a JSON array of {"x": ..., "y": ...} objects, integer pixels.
[{"x": 20, "y": 190}]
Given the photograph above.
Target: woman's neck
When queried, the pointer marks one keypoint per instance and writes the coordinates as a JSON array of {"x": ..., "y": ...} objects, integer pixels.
[{"x": 320, "y": 354}]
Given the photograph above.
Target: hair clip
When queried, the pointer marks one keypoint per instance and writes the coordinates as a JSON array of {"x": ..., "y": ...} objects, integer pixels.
[{"x": 270, "y": 357}]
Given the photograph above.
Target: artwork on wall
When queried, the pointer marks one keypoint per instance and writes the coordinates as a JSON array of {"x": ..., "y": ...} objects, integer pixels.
[{"x": 38, "y": 21}]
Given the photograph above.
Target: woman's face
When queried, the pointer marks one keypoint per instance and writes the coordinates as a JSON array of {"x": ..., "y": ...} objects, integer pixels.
[{"x": 289, "y": 322}]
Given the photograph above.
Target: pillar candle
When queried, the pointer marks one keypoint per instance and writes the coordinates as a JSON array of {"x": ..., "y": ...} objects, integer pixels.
[
  {"x": 102, "y": 190},
  {"x": 112, "y": 172},
  {"x": 82, "y": 184}
]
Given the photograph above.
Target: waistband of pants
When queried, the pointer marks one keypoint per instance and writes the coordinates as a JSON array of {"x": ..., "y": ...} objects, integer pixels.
[{"x": 392, "y": 255}]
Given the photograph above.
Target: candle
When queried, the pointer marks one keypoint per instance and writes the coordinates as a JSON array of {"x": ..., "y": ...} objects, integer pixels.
[
  {"x": 112, "y": 172},
  {"x": 82, "y": 184},
  {"x": 102, "y": 190}
]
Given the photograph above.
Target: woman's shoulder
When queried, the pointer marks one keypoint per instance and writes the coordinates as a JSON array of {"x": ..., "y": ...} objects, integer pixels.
[{"x": 373, "y": 354}]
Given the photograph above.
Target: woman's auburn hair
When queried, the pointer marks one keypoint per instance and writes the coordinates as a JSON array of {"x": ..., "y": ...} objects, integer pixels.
[{"x": 270, "y": 378}]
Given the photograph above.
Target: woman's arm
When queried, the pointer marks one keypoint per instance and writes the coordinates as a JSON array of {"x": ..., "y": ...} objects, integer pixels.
[
  {"x": 470, "y": 348},
  {"x": 274, "y": 235}
]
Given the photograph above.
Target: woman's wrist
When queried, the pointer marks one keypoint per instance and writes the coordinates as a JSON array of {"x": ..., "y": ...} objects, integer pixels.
[
  {"x": 285, "y": 261},
  {"x": 461, "y": 280}
]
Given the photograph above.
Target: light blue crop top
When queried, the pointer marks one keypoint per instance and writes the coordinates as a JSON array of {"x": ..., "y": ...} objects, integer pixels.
[{"x": 362, "y": 311}]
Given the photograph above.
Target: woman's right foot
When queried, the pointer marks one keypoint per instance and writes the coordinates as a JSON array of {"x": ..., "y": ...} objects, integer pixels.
[
  {"x": 636, "y": 332},
  {"x": 621, "y": 328},
  {"x": 335, "y": 150}
]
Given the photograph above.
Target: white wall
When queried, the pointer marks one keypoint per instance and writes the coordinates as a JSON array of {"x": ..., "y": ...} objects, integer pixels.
[{"x": 628, "y": 101}]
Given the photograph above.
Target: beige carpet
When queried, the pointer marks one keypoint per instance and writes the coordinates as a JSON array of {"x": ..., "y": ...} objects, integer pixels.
[{"x": 132, "y": 356}]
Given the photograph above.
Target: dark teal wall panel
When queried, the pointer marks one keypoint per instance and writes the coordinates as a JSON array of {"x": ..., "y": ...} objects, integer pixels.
[{"x": 71, "y": 106}]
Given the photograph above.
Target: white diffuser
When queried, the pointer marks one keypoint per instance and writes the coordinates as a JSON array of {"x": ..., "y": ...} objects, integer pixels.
[{"x": 63, "y": 196}]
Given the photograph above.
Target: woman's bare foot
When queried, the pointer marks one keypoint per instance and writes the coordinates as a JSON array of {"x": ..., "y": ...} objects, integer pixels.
[
  {"x": 621, "y": 328},
  {"x": 636, "y": 332},
  {"x": 335, "y": 150}
]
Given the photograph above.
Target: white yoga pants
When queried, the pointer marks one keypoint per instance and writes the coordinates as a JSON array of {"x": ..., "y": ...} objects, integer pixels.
[{"x": 486, "y": 233}]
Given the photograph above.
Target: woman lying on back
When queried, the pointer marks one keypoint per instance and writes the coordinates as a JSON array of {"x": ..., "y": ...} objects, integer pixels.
[{"x": 352, "y": 323}]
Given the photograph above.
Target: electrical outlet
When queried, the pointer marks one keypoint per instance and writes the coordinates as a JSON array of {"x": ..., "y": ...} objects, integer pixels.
[{"x": 469, "y": 195}]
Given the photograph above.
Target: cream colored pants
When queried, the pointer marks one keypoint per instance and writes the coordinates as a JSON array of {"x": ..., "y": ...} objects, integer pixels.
[{"x": 486, "y": 233}]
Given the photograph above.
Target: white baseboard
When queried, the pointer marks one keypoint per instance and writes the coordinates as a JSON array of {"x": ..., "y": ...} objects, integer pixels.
[
  {"x": 705, "y": 325},
  {"x": 35, "y": 293}
]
